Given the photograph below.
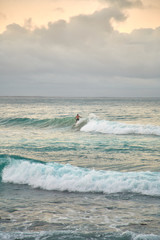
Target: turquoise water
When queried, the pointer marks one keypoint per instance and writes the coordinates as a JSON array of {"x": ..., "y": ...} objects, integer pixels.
[{"x": 98, "y": 179}]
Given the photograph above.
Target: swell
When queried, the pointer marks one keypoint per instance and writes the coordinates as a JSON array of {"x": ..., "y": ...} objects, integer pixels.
[
  {"x": 65, "y": 177},
  {"x": 39, "y": 123}
]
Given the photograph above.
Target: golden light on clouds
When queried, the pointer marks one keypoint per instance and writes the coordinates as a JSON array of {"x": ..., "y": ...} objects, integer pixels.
[
  {"x": 81, "y": 52},
  {"x": 41, "y": 12},
  {"x": 139, "y": 18}
]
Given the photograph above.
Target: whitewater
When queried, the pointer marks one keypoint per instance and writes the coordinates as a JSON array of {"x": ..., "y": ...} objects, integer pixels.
[
  {"x": 95, "y": 179},
  {"x": 60, "y": 177}
]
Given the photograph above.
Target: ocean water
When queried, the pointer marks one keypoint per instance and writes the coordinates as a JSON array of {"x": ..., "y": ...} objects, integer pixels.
[{"x": 97, "y": 179}]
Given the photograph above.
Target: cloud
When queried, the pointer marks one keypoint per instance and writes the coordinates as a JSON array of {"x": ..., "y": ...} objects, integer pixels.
[
  {"x": 125, "y": 3},
  {"x": 82, "y": 57},
  {"x": 28, "y": 23}
]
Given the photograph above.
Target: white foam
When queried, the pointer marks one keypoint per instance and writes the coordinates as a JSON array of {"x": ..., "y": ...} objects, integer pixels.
[
  {"x": 136, "y": 236},
  {"x": 66, "y": 177},
  {"x": 109, "y": 127}
]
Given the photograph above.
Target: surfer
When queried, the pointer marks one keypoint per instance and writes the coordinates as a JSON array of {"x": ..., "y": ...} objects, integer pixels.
[{"x": 77, "y": 118}]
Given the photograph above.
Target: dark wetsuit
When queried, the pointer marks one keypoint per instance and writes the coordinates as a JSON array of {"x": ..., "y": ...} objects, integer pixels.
[{"x": 77, "y": 118}]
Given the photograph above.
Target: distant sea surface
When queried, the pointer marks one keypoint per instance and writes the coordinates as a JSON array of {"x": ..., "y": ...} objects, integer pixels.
[{"x": 97, "y": 179}]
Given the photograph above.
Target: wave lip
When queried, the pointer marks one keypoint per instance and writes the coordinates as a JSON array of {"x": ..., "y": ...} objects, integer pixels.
[
  {"x": 109, "y": 127},
  {"x": 54, "y": 176}
]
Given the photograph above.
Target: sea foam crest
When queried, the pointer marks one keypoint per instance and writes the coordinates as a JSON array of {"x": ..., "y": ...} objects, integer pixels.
[
  {"x": 54, "y": 176},
  {"x": 111, "y": 127}
]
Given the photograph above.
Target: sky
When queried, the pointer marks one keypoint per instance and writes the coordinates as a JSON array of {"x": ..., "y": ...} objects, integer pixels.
[{"x": 80, "y": 48}]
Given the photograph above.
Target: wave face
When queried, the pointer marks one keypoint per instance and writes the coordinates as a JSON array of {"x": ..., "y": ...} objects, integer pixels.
[
  {"x": 39, "y": 123},
  {"x": 55, "y": 176},
  {"x": 111, "y": 127}
]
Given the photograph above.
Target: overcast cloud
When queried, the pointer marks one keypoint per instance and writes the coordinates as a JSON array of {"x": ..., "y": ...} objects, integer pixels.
[{"x": 82, "y": 57}]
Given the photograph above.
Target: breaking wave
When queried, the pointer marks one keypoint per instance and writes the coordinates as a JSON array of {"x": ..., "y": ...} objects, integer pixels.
[
  {"x": 111, "y": 127},
  {"x": 89, "y": 124},
  {"x": 55, "y": 176}
]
